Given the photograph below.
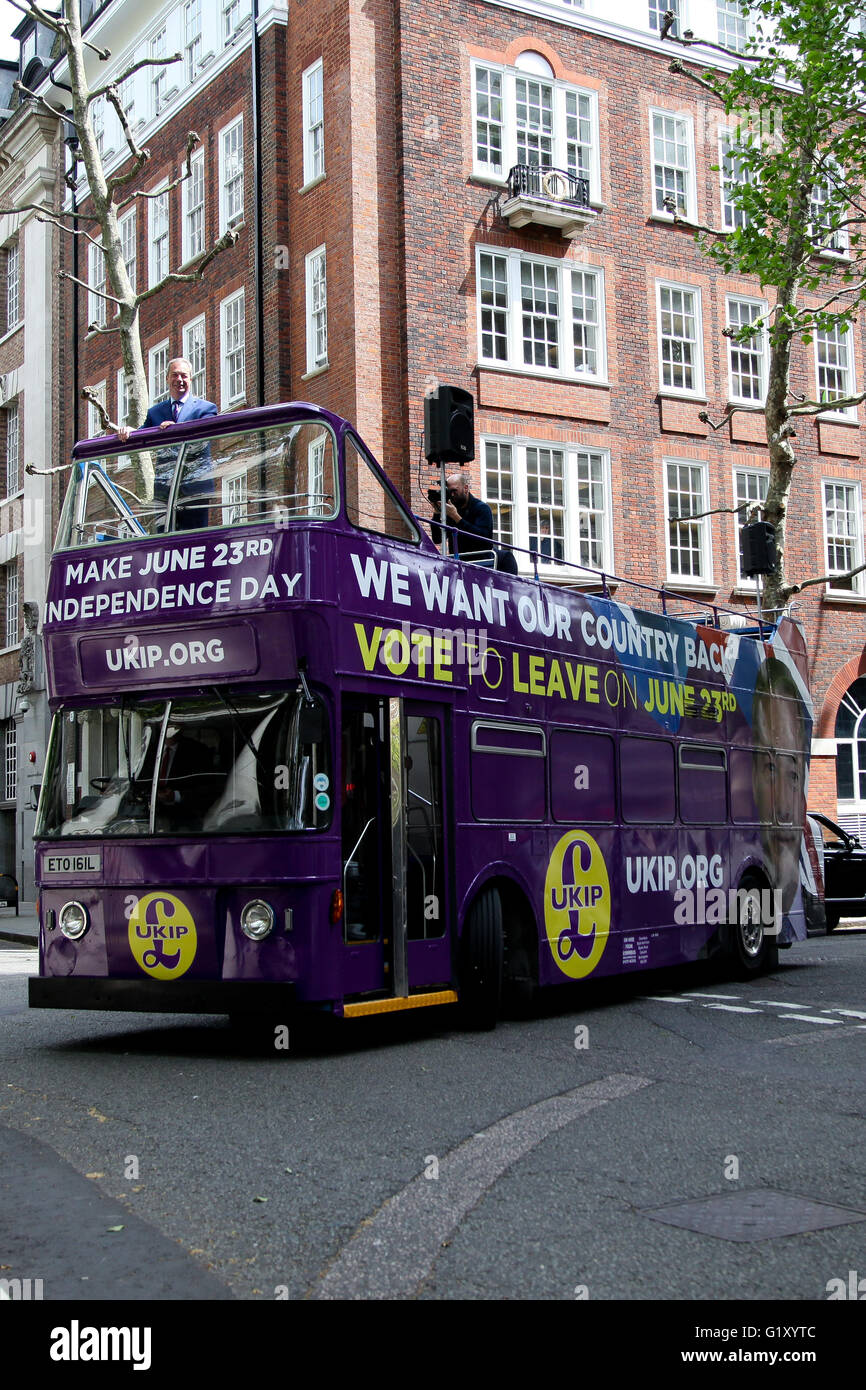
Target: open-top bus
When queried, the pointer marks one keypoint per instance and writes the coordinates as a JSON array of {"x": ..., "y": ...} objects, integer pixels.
[{"x": 299, "y": 758}]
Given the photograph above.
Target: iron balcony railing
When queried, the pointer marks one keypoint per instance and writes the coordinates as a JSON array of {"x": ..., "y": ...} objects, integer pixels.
[{"x": 551, "y": 185}]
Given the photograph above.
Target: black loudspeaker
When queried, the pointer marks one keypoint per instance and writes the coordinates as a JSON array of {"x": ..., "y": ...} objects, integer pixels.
[
  {"x": 757, "y": 548},
  {"x": 449, "y": 425}
]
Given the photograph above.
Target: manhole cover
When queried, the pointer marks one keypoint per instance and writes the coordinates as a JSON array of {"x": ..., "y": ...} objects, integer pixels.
[{"x": 754, "y": 1215}]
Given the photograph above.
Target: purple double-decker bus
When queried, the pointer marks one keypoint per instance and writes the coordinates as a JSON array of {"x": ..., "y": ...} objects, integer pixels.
[{"x": 300, "y": 758}]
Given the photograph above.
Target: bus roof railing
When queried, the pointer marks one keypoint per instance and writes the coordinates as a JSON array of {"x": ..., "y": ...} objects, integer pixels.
[{"x": 710, "y": 614}]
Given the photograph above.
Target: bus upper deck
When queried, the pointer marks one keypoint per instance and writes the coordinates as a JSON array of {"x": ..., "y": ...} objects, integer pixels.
[{"x": 361, "y": 772}]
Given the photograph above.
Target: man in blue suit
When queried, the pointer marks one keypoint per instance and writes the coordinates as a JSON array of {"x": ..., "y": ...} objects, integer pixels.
[{"x": 180, "y": 406}]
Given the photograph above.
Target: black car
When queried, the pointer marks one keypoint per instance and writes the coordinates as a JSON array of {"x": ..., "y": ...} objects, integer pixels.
[{"x": 844, "y": 872}]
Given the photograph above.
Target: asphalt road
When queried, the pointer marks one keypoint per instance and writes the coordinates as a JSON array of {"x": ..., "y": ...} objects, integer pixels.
[{"x": 664, "y": 1137}]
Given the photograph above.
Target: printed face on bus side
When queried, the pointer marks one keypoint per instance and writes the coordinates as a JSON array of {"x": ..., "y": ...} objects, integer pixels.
[{"x": 780, "y": 784}]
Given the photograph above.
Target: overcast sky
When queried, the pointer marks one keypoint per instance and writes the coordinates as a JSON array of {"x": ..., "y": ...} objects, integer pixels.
[{"x": 9, "y": 17}]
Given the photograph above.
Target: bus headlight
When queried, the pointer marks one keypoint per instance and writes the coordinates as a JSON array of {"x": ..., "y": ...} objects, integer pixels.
[
  {"x": 73, "y": 920},
  {"x": 257, "y": 920}
]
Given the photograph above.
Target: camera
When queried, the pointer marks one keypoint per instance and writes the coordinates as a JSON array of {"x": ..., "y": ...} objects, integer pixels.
[{"x": 434, "y": 496}]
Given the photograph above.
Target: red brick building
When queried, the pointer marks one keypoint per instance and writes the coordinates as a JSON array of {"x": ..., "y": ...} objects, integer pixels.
[{"x": 479, "y": 193}]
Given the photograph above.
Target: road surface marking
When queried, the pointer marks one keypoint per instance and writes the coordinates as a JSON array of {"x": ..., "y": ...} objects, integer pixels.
[
  {"x": 393, "y": 1251},
  {"x": 19, "y": 962}
]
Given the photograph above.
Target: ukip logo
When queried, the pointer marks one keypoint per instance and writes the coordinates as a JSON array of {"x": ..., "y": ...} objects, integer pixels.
[
  {"x": 577, "y": 904},
  {"x": 162, "y": 936}
]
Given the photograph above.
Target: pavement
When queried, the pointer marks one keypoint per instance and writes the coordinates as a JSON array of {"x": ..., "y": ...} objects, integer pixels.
[{"x": 22, "y": 929}]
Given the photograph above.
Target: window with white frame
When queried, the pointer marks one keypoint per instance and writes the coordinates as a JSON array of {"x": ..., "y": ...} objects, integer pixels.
[
  {"x": 194, "y": 350},
  {"x": 319, "y": 503},
  {"x": 127, "y": 94},
  {"x": 235, "y": 12},
  {"x": 13, "y": 622},
  {"x": 733, "y": 175},
  {"x": 835, "y": 367},
  {"x": 192, "y": 43},
  {"x": 825, "y": 215},
  {"x": 129, "y": 244},
  {"x": 657, "y": 11},
  {"x": 733, "y": 25},
  {"x": 193, "y": 208},
  {"x": 157, "y": 372},
  {"x": 96, "y": 304},
  {"x": 843, "y": 534},
  {"x": 13, "y": 286},
  {"x": 747, "y": 359},
  {"x": 673, "y": 164},
  {"x": 234, "y": 499},
  {"x": 526, "y": 118},
  {"x": 750, "y": 493},
  {"x": 10, "y": 761},
  {"x": 158, "y": 237},
  {"x": 686, "y": 492},
  {"x": 97, "y": 123},
  {"x": 680, "y": 339},
  {"x": 158, "y": 74},
  {"x": 95, "y": 424},
  {"x": 538, "y": 314},
  {"x": 233, "y": 349},
  {"x": 553, "y": 502},
  {"x": 13, "y": 449},
  {"x": 313, "y": 101},
  {"x": 122, "y": 398},
  {"x": 317, "y": 310},
  {"x": 231, "y": 173}
]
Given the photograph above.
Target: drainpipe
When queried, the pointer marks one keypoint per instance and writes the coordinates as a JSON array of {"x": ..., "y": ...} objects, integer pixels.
[{"x": 258, "y": 256}]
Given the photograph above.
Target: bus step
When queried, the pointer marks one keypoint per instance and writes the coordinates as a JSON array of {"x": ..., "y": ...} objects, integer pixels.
[{"x": 389, "y": 1006}]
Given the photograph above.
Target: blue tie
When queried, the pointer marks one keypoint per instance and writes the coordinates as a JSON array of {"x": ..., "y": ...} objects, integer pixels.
[{"x": 175, "y": 410}]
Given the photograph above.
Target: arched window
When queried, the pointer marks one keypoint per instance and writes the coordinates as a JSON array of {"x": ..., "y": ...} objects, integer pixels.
[{"x": 851, "y": 758}]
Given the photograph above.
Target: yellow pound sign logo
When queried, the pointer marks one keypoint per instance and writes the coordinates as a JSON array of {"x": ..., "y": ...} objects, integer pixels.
[
  {"x": 162, "y": 936},
  {"x": 577, "y": 904}
]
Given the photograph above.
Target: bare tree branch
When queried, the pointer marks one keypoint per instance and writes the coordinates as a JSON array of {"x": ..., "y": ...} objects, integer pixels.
[
  {"x": 52, "y": 110},
  {"x": 70, "y": 231},
  {"x": 46, "y": 212},
  {"x": 88, "y": 394},
  {"x": 33, "y": 10},
  {"x": 140, "y": 155},
  {"x": 101, "y": 294},
  {"x": 176, "y": 277},
  {"x": 192, "y": 140},
  {"x": 825, "y": 579},
  {"x": 34, "y": 472},
  {"x": 823, "y": 407},
  {"x": 720, "y": 511},
  {"x": 134, "y": 67}
]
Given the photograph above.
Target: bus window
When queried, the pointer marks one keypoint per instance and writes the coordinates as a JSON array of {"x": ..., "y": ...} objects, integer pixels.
[
  {"x": 703, "y": 799},
  {"x": 746, "y": 767},
  {"x": 646, "y": 771},
  {"x": 581, "y": 777},
  {"x": 425, "y": 912},
  {"x": 501, "y": 789},
  {"x": 369, "y": 504},
  {"x": 217, "y": 766},
  {"x": 282, "y": 474}
]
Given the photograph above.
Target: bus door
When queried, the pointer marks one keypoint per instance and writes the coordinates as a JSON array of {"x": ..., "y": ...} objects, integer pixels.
[{"x": 395, "y": 911}]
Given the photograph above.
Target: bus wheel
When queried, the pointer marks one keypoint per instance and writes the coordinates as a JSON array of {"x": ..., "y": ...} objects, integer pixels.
[
  {"x": 481, "y": 961},
  {"x": 833, "y": 919},
  {"x": 751, "y": 948}
]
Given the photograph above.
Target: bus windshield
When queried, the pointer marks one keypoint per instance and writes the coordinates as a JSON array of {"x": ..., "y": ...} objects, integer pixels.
[
  {"x": 219, "y": 766},
  {"x": 279, "y": 474}
]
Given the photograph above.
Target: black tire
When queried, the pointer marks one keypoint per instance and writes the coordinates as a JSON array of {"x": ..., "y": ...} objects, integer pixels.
[
  {"x": 833, "y": 919},
  {"x": 752, "y": 950},
  {"x": 481, "y": 961}
]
